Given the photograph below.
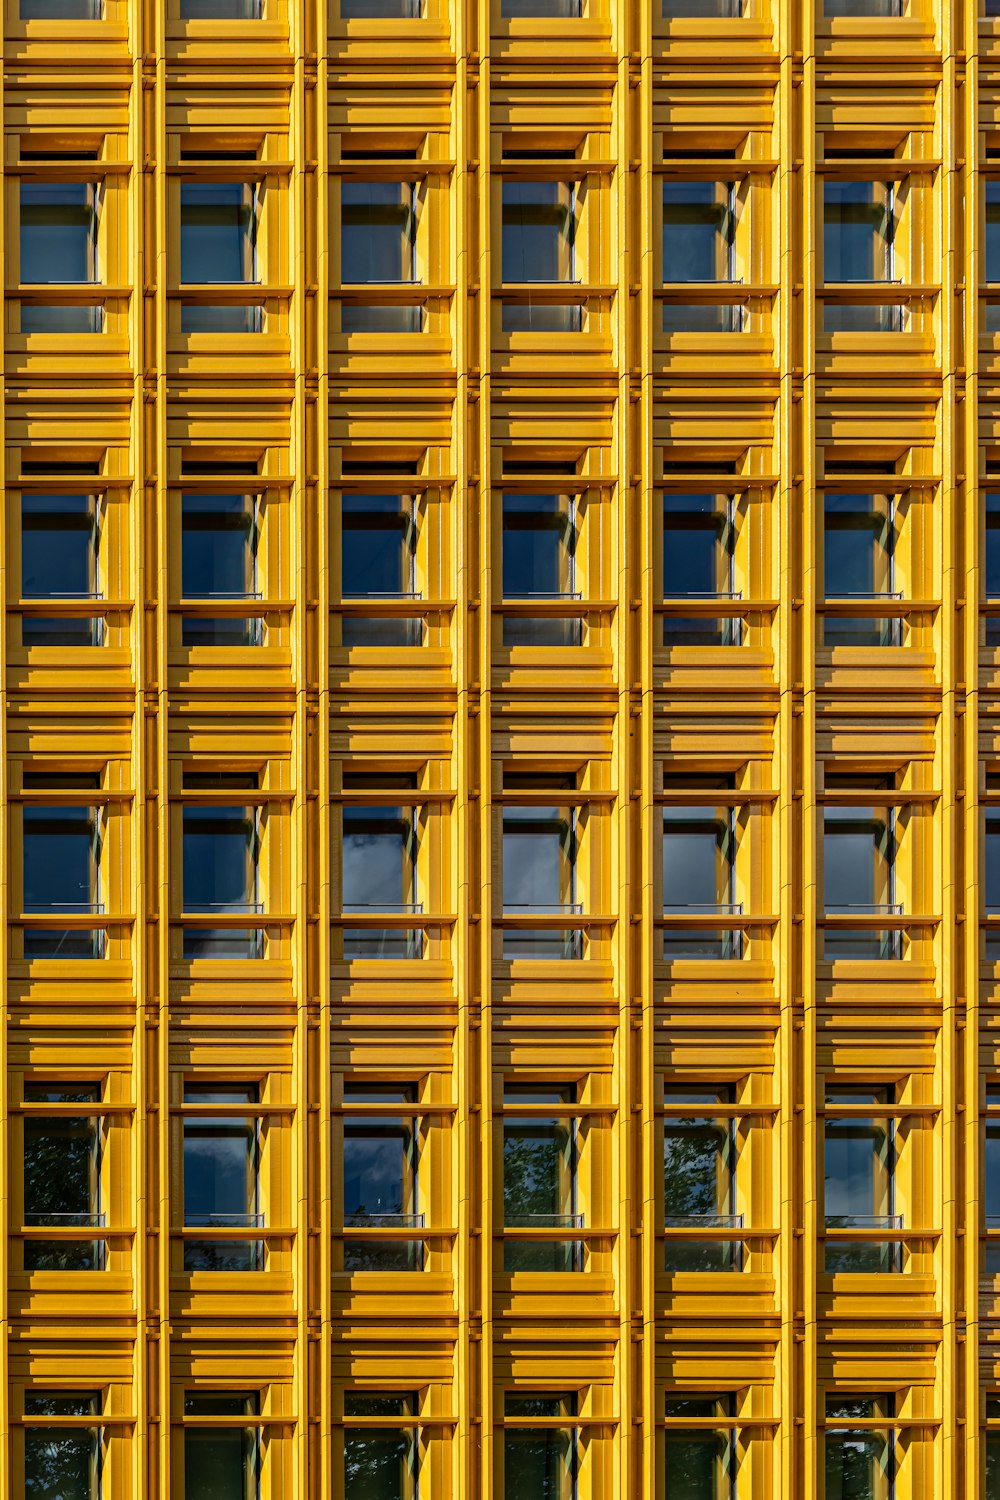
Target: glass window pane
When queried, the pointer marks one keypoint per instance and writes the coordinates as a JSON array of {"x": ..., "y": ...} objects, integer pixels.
[
  {"x": 61, "y": 858},
  {"x": 218, "y": 231},
  {"x": 218, "y": 546},
  {"x": 991, "y": 560},
  {"x": 371, "y": 10},
  {"x": 377, "y": 231},
  {"x": 992, "y": 268},
  {"x": 698, "y": 231},
  {"x": 857, "y": 231},
  {"x": 221, "y": 1463},
  {"x": 858, "y": 1461},
  {"x": 379, "y": 851},
  {"x": 538, "y": 546},
  {"x": 60, "y": 10},
  {"x": 698, "y": 850},
  {"x": 58, "y": 232},
  {"x": 380, "y": 1463},
  {"x": 61, "y": 1463},
  {"x": 539, "y": 1461},
  {"x": 538, "y": 231},
  {"x": 698, "y": 1461},
  {"x": 378, "y": 543},
  {"x": 221, "y": 10},
  {"x": 220, "y": 858},
  {"x": 61, "y": 1182},
  {"x": 539, "y": 858}
]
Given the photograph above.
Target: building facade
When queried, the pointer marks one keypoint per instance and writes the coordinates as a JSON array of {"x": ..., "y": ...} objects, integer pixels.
[{"x": 500, "y": 830}]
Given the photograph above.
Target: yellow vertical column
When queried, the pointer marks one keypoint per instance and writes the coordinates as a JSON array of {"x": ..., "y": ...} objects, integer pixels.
[
  {"x": 476, "y": 429},
  {"x": 800, "y": 593},
  {"x": 949, "y": 946},
  {"x": 649, "y": 590},
  {"x": 155, "y": 488},
  {"x": 969, "y": 530},
  {"x": 467, "y": 627},
  {"x": 141, "y": 587},
  {"x": 630, "y": 1413},
  {"x": 321, "y": 1395},
  {"x": 301, "y": 500},
  {"x": 5, "y": 1481}
]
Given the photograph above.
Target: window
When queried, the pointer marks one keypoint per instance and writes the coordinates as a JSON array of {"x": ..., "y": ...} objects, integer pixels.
[
  {"x": 860, "y": 1461},
  {"x": 59, "y": 248},
  {"x": 700, "y": 10},
  {"x": 62, "y": 1178},
  {"x": 540, "y": 1179},
  {"x": 540, "y": 9},
  {"x": 991, "y": 862},
  {"x": 378, "y": 552},
  {"x": 699, "y": 864},
  {"x": 991, "y": 565},
  {"x": 380, "y": 1181},
  {"x": 699, "y": 244},
  {"x": 221, "y": 869},
  {"x": 539, "y": 562},
  {"x": 538, "y": 245},
  {"x": 60, "y": 10},
  {"x": 859, "y": 874},
  {"x": 60, "y": 537},
  {"x": 380, "y": 10},
  {"x": 540, "y": 1460},
  {"x": 378, "y": 231},
  {"x": 222, "y": 1178},
  {"x": 62, "y": 1462},
  {"x": 699, "y": 1181},
  {"x": 859, "y": 1177},
  {"x": 859, "y": 222},
  {"x": 992, "y": 1448},
  {"x": 699, "y": 1463},
  {"x": 699, "y": 542},
  {"x": 852, "y": 8},
  {"x": 218, "y": 225},
  {"x": 221, "y": 1463},
  {"x": 991, "y": 273},
  {"x": 220, "y": 536},
  {"x": 381, "y": 1461},
  {"x": 991, "y": 1181},
  {"x": 221, "y": 10},
  {"x": 859, "y": 537},
  {"x": 62, "y": 871},
  {"x": 540, "y": 849},
  {"x": 379, "y": 873}
]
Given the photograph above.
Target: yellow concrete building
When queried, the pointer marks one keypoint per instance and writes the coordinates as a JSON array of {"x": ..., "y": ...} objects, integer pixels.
[{"x": 500, "y": 845}]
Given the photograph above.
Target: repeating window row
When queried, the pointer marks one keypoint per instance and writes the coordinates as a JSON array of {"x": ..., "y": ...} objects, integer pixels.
[
  {"x": 553, "y": 1140},
  {"x": 868, "y": 252}
]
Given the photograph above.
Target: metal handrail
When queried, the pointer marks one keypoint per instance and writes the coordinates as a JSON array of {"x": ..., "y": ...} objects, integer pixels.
[
  {"x": 70, "y": 1220},
  {"x": 66, "y": 908},
  {"x": 383, "y": 1221},
  {"x": 224, "y": 1221},
  {"x": 544, "y": 1221},
  {"x": 864, "y": 1221},
  {"x": 875, "y": 908},
  {"x": 226, "y": 908},
  {"x": 546, "y": 909},
  {"x": 703, "y": 1221},
  {"x": 407, "y": 908},
  {"x": 700, "y": 908}
]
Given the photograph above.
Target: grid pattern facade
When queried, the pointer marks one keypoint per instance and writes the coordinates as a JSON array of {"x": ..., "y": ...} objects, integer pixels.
[{"x": 540, "y": 360}]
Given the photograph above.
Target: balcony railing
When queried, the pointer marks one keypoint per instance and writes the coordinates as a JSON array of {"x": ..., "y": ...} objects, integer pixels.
[
  {"x": 84, "y": 938},
  {"x": 230, "y": 940},
  {"x": 398, "y": 939},
  {"x": 697, "y": 1245},
  {"x": 532, "y": 941},
  {"x": 868, "y": 939},
  {"x": 529, "y": 1247},
  {"x": 703, "y": 940}
]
